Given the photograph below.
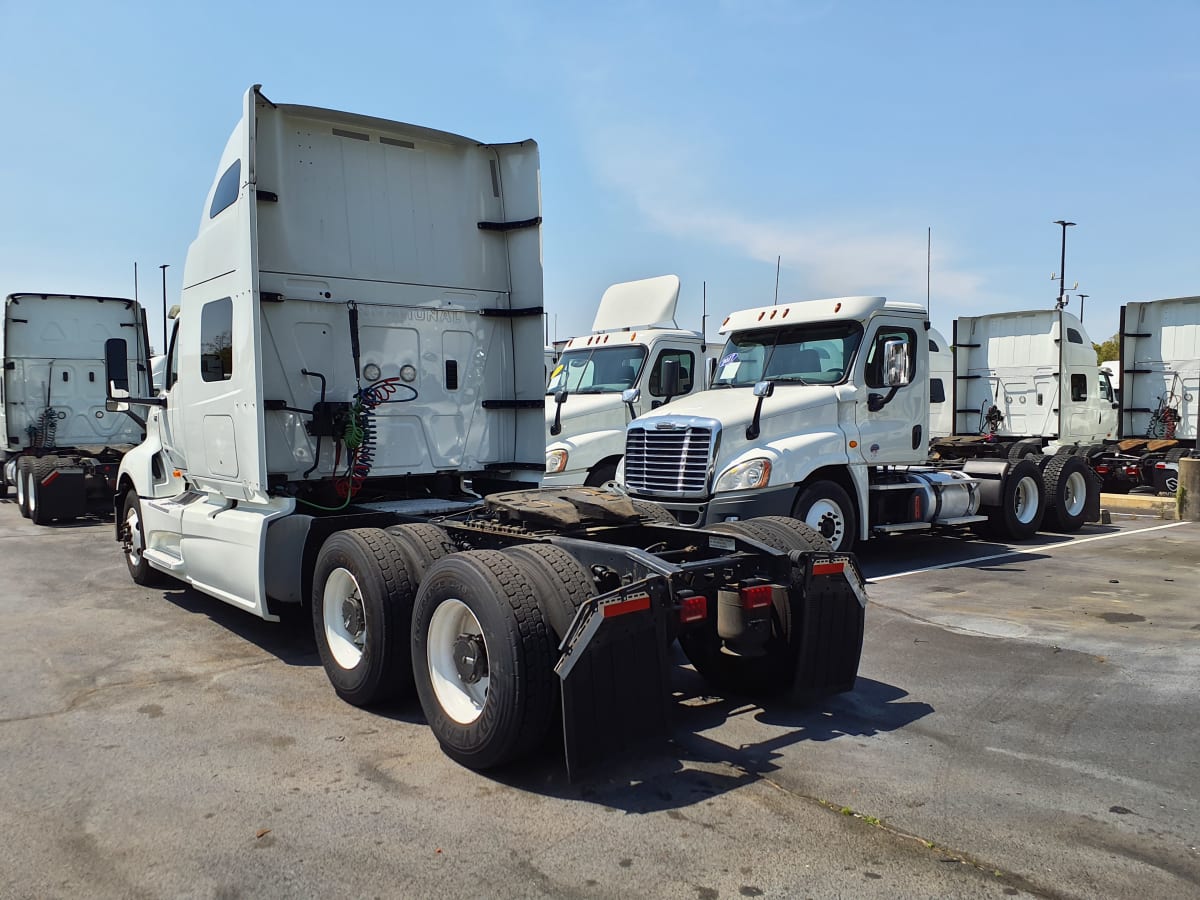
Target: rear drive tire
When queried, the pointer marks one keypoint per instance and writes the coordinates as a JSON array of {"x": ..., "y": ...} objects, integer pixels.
[
  {"x": 40, "y": 511},
  {"x": 756, "y": 676},
  {"x": 1069, "y": 481},
  {"x": 423, "y": 544},
  {"x": 826, "y": 507},
  {"x": 653, "y": 513},
  {"x": 362, "y": 605},
  {"x": 1022, "y": 503},
  {"x": 482, "y": 658},
  {"x": 1022, "y": 449},
  {"x": 23, "y": 485},
  {"x": 560, "y": 583}
]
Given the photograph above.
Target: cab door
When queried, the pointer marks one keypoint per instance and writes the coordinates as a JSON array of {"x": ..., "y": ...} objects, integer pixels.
[{"x": 893, "y": 410}]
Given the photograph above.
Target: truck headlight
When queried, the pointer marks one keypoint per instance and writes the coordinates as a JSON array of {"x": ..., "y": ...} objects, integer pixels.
[
  {"x": 753, "y": 474},
  {"x": 556, "y": 461}
]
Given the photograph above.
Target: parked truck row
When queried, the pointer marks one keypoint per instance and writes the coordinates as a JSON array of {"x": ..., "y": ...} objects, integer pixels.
[{"x": 351, "y": 423}]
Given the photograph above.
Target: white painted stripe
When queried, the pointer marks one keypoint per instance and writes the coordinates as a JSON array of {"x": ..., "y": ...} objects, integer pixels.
[{"x": 1023, "y": 552}]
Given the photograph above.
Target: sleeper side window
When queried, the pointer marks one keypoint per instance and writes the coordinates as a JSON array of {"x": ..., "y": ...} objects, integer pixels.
[{"x": 216, "y": 340}]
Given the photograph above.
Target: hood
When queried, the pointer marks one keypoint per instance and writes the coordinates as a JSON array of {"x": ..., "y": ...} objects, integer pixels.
[
  {"x": 791, "y": 405},
  {"x": 584, "y": 413}
]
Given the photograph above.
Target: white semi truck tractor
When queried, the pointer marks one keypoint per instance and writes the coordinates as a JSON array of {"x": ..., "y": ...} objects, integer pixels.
[
  {"x": 353, "y": 423},
  {"x": 61, "y": 445},
  {"x": 620, "y": 370},
  {"x": 1159, "y": 418},
  {"x": 819, "y": 411},
  {"x": 1027, "y": 382}
]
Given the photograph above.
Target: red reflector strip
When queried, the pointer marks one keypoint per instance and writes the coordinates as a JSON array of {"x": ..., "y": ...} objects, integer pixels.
[
  {"x": 637, "y": 603},
  {"x": 756, "y": 597},
  {"x": 49, "y": 478},
  {"x": 828, "y": 568}
]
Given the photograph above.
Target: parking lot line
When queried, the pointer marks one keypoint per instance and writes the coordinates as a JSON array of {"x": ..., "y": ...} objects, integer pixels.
[{"x": 1021, "y": 552}]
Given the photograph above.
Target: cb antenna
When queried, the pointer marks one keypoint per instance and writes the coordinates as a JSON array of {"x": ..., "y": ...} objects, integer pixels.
[
  {"x": 928, "y": 267},
  {"x": 703, "y": 315},
  {"x": 777, "y": 261}
]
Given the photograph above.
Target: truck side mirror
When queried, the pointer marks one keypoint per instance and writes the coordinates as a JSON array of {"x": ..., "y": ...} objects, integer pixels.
[
  {"x": 116, "y": 374},
  {"x": 560, "y": 397},
  {"x": 630, "y": 396},
  {"x": 116, "y": 364},
  {"x": 895, "y": 363},
  {"x": 670, "y": 378}
]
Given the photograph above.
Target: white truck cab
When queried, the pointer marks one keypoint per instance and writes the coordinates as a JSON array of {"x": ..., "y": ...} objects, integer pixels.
[
  {"x": 353, "y": 421},
  {"x": 820, "y": 410},
  {"x": 614, "y": 374},
  {"x": 1030, "y": 376}
]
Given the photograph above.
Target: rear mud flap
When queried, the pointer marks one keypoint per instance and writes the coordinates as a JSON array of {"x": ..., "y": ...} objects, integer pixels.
[
  {"x": 63, "y": 493},
  {"x": 614, "y": 673},
  {"x": 832, "y": 615}
]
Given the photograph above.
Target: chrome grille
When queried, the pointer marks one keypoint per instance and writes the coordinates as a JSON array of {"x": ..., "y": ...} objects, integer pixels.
[{"x": 668, "y": 462}]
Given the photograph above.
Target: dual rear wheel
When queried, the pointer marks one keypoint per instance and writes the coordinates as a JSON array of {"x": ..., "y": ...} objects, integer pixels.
[{"x": 474, "y": 634}]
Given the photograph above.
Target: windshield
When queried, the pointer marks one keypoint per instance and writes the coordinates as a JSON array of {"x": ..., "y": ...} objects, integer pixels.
[
  {"x": 806, "y": 354},
  {"x": 598, "y": 370}
]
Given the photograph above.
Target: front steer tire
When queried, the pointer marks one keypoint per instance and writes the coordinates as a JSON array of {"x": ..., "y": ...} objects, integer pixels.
[
  {"x": 133, "y": 541},
  {"x": 362, "y": 604},
  {"x": 482, "y": 658}
]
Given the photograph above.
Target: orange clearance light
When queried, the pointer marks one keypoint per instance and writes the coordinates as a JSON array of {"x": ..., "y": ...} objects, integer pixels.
[
  {"x": 786, "y": 310},
  {"x": 761, "y": 314},
  {"x": 726, "y": 322},
  {"x": 853, "y": 444},
  {"x": 177, "y": 474},
  {"x": 633, "y": 336},
  {"x": 837, "y": 307}
]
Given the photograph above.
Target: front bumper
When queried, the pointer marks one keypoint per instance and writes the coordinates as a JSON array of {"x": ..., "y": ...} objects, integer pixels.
[{"x": 722, "y": 507}]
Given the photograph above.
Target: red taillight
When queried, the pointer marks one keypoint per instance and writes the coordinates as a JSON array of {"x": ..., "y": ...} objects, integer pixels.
[
  {"x": 1102, "y": 470},
  {"x": 1131, "y": 471},
  {"x": 693, "y": 609},
  {"x": 756, "y": 597},
  {"x": 1160, "y": 465}
]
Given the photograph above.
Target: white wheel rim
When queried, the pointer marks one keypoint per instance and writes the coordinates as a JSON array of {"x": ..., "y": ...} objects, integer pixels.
[
  {"x": 827, "y": 518},
  {"x": 133, "y": 525},
  {"x": 1075, "y": 494},
  {"x": 1025, "y": 502},
  {"x": 461, "y": 699},
  {"x": 345, "y": 617},
  {"x": 21, "y": 488},
  {"x": 31, "y": 492}
]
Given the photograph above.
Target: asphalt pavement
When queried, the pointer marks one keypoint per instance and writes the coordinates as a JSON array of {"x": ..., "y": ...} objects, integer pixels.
[{"x": 1025, "y": 724}]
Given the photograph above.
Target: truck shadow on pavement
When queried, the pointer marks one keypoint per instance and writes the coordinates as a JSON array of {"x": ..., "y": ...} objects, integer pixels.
[
  {"x": 695, "y": 764},
  {"x": 690, "y": 766},
  {"x": 290, "y": 639}
]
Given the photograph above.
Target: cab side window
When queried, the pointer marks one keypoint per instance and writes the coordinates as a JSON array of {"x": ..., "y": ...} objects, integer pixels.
[
  {"x": 1078, "y": 388},
  {"x": 875, "y": 375},
  {"x": 687, "y": 366},
  {"x": 216, "y": 340}
]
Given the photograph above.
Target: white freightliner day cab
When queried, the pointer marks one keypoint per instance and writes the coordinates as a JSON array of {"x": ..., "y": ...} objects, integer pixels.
[
  {"x": 61, "y": 445},
  {"x": 606, "y": 378},
  {"x": 820, "y": 411},
  {"x": 353, "y": 421}
]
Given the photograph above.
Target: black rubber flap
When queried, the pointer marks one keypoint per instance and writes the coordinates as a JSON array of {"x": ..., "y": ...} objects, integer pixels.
[
  {"x": 832, "y": 624},
  {"x": 615, "y": 695}
]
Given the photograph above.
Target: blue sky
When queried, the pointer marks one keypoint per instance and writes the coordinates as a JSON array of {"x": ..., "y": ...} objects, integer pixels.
[{"x": 701, "y": 138}]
